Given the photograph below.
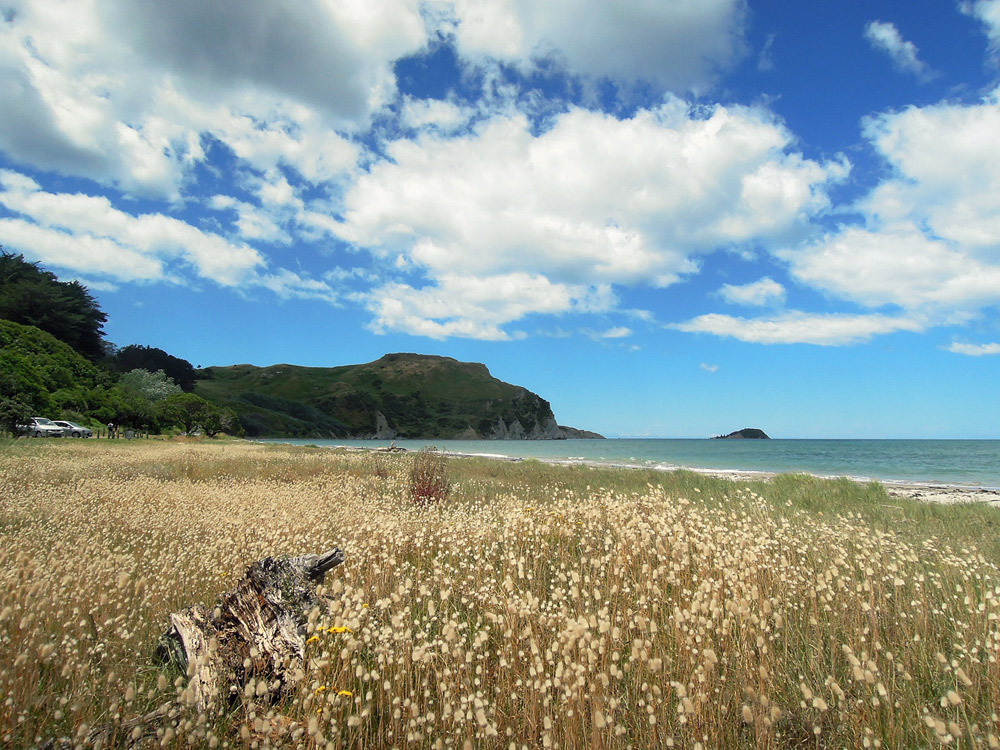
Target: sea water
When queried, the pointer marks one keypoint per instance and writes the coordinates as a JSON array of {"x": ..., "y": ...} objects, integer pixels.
[{"x": 962, "y": 463}]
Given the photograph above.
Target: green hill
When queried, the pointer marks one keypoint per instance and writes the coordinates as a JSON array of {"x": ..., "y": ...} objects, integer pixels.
[
  {"x": 43, "y": 372},
  {"x": 400, "y": 395}
]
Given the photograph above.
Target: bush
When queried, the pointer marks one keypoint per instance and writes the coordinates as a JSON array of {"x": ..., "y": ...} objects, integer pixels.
[{"x": 429, "y": 479}]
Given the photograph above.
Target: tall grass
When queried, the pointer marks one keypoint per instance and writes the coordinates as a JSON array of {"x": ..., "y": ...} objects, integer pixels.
[{"x": 538, "y": 606}]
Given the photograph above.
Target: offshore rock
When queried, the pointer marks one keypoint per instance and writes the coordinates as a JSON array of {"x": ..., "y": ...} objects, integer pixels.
[{"x": 747, "y": 433}]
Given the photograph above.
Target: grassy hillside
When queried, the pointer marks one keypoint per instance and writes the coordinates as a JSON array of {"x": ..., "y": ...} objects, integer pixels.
[{"x": 419, "y": 396}]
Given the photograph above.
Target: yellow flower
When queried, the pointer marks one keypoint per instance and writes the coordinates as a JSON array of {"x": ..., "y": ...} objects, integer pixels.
[
  {"x": 338, "y": 629},
  {"x": 321, "y": 688},
  {"x": 314, "y": 638},
  {"x": 345, "y": 693}
]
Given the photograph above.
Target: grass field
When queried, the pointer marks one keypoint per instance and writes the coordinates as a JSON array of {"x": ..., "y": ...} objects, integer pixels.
[{"x": 537, "y": 606}]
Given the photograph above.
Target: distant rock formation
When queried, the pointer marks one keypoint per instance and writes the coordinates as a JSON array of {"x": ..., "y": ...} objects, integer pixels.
[{"x": 747, "y": 433}]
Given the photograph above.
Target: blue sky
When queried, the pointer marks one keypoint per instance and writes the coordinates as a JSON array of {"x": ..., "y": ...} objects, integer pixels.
[{"x": 669, "y": 218}]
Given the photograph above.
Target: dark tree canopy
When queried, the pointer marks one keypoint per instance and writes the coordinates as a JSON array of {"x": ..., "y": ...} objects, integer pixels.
[
  {"x": 32, "y": 296},
  {"x": 135, "y": 357}
]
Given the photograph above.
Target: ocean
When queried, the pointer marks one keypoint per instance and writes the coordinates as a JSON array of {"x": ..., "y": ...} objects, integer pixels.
[{"x": 958, "y": 463}]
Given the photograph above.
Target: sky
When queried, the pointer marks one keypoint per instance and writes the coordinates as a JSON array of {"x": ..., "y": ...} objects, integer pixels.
[{"x": 670, "y": 218}]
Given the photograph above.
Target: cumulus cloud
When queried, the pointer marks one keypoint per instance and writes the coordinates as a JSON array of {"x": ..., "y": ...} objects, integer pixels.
[
  {"x": 932, "y": 231},
  {"x": 900, "y": 266},
  {"x": 974, "y": 350},
  {"x": 88, "y": 235},
  {"x": 478, "y": 307},
  {"x": 122, "y": 92},
  {"x": 886, "y": 38},
  {"x": 796, "y": 327},
  {"x": 594, "y": 200},
  {"x": 681, "y": 45},
  {"x": 332, "y": 56},
  {"x": 767, "y": 291},
  {"x": 435, "y": 114}
]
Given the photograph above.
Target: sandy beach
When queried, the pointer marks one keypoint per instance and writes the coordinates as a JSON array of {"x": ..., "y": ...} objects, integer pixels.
[
  {"x": 932, "y": 493},
  {"x": 943, "y": 494}
]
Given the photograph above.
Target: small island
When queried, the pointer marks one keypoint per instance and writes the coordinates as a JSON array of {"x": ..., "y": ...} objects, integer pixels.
[{"x": 747, "y": 433}]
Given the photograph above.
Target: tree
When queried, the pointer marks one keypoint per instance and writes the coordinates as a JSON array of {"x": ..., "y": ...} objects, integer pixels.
[
  {"x": 184, "y": 409},
  {"x": 215, "y": 420},
  {"x": 153, "y": 386},
  {"x": 12, "y": 413},
  {"x": 32, "y": 296},
  {"x": 133, "y": 357}
]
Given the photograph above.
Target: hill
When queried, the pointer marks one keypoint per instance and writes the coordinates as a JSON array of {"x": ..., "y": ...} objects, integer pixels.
[
  {"x": 43, "y": 372},
  {"x": 400, "y": 395}
]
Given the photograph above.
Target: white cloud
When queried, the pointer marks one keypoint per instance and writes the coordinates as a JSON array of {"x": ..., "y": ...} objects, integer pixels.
[
  {"x": 899, "y": 266},
  {"x": 617, "y": 332},
  {"x": 681, "y": 45},
  {"x": 474, "y": 307},
  {"x": 767, "y": 291},
  {"x": 122, "y": 92},
  {"x": 795, "y": 327},
  {"x": 334, "y": 56},
  {"x": 434, "y": 113},
  {"x": 974, "y": 350},
  {"x": 931, "y": 244},
  {"x": 709, "y": 368},
  {"x": 592, "y": 201},
  {"x": 88, "y": 235},
  {"x": 988, "y": 12},
  {"x": 885, "y": 37}
]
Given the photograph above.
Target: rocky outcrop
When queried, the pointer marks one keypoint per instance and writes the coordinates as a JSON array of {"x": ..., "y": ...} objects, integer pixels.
[
  {"x": 571, "y": 433},
  {"x": 747, "y": 433},
  {"x": 547, "y": 430},
  {"x": 382, "y": 429}
]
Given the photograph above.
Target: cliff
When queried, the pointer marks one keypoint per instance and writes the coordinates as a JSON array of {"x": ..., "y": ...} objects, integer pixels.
[{"x": 398, "y": 396}]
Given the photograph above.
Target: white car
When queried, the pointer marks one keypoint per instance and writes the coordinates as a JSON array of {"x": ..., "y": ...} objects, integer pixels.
[
  {"x": 72, "y": 429},
  {"x": 40, "y": 427}
]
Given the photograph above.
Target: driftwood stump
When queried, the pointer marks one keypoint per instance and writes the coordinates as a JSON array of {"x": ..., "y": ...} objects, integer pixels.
[{"x": 258, "y": 630}]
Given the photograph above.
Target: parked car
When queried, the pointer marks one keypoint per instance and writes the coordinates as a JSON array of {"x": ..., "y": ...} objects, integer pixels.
[
  {"x": 40, "y": 427},
  {"x": 72, "y": 429}
]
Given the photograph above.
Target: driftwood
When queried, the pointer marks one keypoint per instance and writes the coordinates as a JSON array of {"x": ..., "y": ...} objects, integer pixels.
[{"x": 258, "y": 631}]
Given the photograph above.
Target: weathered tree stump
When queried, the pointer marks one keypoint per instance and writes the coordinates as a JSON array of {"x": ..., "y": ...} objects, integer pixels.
[{"x": 258, "y": 630}]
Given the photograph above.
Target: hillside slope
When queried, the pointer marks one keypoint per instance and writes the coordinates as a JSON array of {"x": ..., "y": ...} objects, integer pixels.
[
  {"x": 44, "y": 372},
  {"x": 400, "y": 395}
]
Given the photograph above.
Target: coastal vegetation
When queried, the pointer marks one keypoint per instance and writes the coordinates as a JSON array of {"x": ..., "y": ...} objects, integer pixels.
[
  {"x": 56, "y": 362},
  {"x": 532, "y": 605}
]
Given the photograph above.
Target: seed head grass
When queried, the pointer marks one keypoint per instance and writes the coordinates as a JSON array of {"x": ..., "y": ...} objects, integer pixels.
[{"x": 533, "y": 606}]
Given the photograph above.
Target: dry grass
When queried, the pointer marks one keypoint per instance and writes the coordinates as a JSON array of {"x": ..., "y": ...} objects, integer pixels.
[{"x": 528, "y": 610}]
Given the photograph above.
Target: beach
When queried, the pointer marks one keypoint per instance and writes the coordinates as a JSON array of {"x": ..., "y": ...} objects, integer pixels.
[{"x": 934, "y": 492}]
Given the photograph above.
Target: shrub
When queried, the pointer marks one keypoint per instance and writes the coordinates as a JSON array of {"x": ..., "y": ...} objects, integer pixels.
[{"x": 428, "y": 478}]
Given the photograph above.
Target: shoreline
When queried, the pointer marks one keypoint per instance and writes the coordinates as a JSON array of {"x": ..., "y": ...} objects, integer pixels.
[{"x": 943, "y": 494}]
